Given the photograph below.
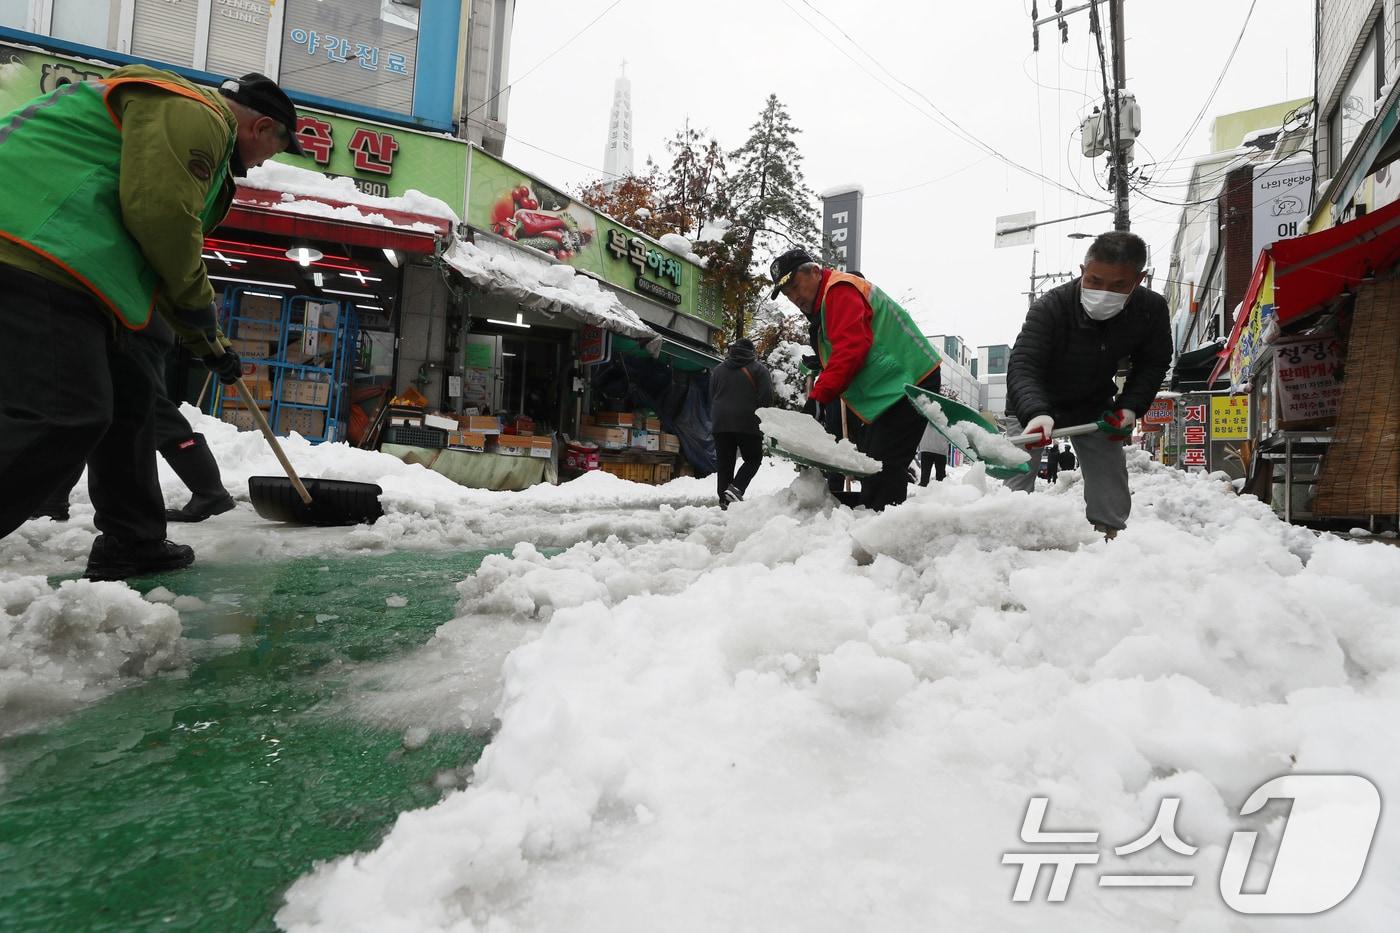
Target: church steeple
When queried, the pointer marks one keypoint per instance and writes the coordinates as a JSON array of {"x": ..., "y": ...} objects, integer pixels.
[{"x": 617, "y": 157}]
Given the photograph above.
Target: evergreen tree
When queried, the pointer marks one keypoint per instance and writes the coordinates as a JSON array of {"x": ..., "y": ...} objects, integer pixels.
[
  {"x": 694, "y": 190},
  {"x": 772, "y": 207}
]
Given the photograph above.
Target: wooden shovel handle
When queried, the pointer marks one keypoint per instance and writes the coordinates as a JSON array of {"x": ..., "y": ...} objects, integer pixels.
[{"x": 266, "y": 429}]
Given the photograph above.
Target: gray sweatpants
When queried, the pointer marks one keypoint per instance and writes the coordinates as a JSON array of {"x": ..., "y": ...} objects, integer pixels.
[{"x": 1107, "y": 500}]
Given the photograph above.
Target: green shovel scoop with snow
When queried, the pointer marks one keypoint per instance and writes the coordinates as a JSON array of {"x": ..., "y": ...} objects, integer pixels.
[{"x": 980, "y": 439}]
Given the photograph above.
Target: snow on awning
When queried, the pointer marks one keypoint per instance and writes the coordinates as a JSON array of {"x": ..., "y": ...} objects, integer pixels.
[
  {"x": 286, "y": 200},
  {"x": 546, "y": 287}
]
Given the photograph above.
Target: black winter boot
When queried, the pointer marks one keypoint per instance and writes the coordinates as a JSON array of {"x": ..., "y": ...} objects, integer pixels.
[
  {"x": 195, "y": 465},
  {"x": 111, "y": 559}
]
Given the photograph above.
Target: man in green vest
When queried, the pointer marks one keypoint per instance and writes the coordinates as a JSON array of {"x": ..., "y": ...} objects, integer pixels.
[
  {"x": 107, "y": 189},
  {"x": 869, "y": 349}
]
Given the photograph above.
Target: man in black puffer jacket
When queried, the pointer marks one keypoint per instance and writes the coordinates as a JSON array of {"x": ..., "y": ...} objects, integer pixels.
[
  {"x": 1075, "y": 340},
  {"x": 738, "y": 387}
]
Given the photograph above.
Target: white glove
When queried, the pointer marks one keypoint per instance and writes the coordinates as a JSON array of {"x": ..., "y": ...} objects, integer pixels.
[{"x": 1042, "y": 425}]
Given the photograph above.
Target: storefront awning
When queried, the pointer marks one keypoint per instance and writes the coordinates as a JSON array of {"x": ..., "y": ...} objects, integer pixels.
[
  {"x": 1309, "y": 271},
  {"x": 252, "y": 216},
  {"x": 549, "y": 288},
  {"x": 683, "y": 356}
]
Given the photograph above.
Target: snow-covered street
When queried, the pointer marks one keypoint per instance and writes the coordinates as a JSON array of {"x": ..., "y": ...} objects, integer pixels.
[{"x": 794, "y": 716}]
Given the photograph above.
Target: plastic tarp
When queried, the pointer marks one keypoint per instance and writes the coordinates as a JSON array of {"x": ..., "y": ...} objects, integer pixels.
[{"x": 480, "y": 470}]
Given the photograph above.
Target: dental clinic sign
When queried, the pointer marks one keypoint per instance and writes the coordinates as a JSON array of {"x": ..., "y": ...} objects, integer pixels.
[{"x": 1282, "y": 198}]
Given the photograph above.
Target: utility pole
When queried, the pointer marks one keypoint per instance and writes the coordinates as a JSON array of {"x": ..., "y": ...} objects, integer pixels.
[
  {"x": 1120, "y": 83},
  {"x": 1036, "y": 279}
]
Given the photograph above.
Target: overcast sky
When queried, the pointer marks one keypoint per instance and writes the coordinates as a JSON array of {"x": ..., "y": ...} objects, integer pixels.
[{"x": 931, "y": 198}]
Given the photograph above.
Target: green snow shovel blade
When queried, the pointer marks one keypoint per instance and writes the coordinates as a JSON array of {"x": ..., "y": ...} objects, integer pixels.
[
  {"x": 957, "y": 413},
  {"x": 772, "y": 447}
]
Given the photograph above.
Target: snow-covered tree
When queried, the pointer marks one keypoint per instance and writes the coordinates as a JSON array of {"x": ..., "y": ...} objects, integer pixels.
[
  {"x": 632, "y": 200},
  {"x": 694, "y": 190}
]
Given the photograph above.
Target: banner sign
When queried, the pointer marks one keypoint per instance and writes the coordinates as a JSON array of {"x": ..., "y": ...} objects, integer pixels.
[
  {"x": 1307, "y": 383},
  {"x": 1229, "y": 418},
  {"x": 1163, "y": 410},
  {"x": 841, "y": 228},
  {"x": 381, "y": 160},
  {"x": 532, "y": 214}
]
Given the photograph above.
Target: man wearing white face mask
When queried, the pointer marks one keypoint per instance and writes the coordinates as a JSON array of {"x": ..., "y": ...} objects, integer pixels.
[{"x": 1076, "y": 338}]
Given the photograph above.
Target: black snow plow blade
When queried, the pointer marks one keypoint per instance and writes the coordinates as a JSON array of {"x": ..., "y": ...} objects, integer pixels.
[{"x": 333, "y": 501}]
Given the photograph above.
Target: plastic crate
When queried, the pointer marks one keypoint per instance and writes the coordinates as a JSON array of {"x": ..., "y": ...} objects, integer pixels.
[{"x": 416, "y": 436}]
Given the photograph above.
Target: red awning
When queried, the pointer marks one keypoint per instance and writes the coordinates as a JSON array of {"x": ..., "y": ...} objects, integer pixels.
[
  {"x": 252, "y": 210},
  {"x": 1311, "y": 270}
]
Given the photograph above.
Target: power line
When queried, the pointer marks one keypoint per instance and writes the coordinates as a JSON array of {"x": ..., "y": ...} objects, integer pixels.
[
  {"x": 942, "y": 119},
  {"x": 1200, "y": 115}
]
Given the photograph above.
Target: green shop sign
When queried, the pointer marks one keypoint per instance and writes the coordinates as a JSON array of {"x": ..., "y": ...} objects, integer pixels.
[
  {"x": 519, "y": 207},
  {"x": 382, "y": 160}
]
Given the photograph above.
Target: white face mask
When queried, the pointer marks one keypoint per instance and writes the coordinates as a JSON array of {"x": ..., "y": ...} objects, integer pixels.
[{"x": 1101, "y": 305}]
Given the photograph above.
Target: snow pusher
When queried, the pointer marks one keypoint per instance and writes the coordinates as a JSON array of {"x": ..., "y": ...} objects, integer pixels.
[
  {"x": 325, "y": 502},
  {"x": 801, "y": 439},
  {"x": 980, "y": 439}
]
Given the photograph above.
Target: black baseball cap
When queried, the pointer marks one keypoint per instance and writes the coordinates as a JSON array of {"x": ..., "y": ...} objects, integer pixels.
[
  {"x": 782, "y": 268},
  {"x": 261, "y": 93}
]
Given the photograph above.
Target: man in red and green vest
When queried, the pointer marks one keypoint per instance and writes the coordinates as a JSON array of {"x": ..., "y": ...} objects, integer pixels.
[
  {"x": 107, "y": 189},
  {"x": 869, "y": 349}
]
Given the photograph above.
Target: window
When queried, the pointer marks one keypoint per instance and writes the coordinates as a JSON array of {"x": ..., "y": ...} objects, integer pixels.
[
  {"x": 14, "y": 14},
  {"x": 238, "y": 37},
  {"x": 1357, "y": 104},
  {"x": 360, "y": 51},
  {"x": 164, "y": 30},
  {"x": 90, "y": 22}
]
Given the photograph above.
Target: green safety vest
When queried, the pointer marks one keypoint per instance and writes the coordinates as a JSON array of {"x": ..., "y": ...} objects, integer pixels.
[
  {"x": 60, "y": 165},
  {"x": 900, "y": 355}
]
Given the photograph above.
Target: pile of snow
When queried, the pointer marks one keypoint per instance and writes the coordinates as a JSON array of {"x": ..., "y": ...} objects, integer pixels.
[
  {"x": 745, "y": 726},
  {"x": 681, "y": 247},
  {"x": 298, "y": 184},
  {"x": 848, "y": 188},
  {"x": 801, "y": 435},
  {"x": 61, "y": 647},
  {"x": 713, "y": 231},
  {"x": 550, "y": 288}
]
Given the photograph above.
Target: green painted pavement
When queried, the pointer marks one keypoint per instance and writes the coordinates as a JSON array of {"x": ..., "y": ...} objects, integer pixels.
[{"x": 191, "y": 801}]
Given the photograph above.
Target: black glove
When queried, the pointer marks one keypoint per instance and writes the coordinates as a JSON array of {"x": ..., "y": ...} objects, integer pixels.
[
  {"x": 810, "y": 408},
  {"x": 812, "y": 363},
  {"x": 226, "y": 365}
]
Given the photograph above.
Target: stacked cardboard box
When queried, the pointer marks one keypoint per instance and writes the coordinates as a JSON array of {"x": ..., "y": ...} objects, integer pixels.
[
  {"x": 604, "y": 436},
  {"x": 541, "y": 446},
  {"x": 480, "y": 424},
  {"x": 670, "y": 444},
  {"x": 309, "y": 391},
  {"x": 304, "y": 421},
  {"x": 513, "y": 445},
  {"x": 646, "y": 440},
  {"x": 614, "y": 419},
  {"x": 467, "y": 440}
]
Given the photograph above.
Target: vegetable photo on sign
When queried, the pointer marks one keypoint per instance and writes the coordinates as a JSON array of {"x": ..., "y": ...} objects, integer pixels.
[{"x": 542, "y": 221}]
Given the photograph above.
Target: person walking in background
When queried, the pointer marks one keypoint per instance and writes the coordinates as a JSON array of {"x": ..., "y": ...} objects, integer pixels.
[
  {"x": 1052, "y": 463},
  {"x": 739, "y": 387},
  {"x": 933, "y": 456},
  {"x": 1067, "y": 461}
]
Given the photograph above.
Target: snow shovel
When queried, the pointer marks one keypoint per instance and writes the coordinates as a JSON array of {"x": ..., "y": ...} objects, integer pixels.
[
  {"x": 950, "y": 419},
  {"x": 802, "y": 440},
  {"x": 325, "y": 502}
]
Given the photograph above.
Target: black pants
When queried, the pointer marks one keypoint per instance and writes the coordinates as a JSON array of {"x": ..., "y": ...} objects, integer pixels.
[
  {"x": 727, "y": 445},
  {"x": 893, "y": 438},
  {"x": 930, "y": 462},
  {"x": 75, "y": 388},
  {"x": 169, "y": 427}
]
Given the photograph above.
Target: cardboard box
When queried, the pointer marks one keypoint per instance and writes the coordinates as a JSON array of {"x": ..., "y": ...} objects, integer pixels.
[
  {"x": 240, "y": 418},
  {"x": 670, "y": 444},
  {"x": 653, "y": 425},
  {"x": 440, "y": 421},
  {"x": 545, "y": 441},
  {"x": 261, "y": 389},
  {"x": 580, "y": 457},
  {"x": 617, "y": 419},
  {"x": 482, "y": 424},
  {"x": 259, "y": 308},
  {"x": 304, "y": 421},
  {"x": 614, "y": 438},
  {"x": 512, "y": 445},
  {"x": 252, "y": 349},
  {"x": 466, "y": 440},
  {"x": 256, "y": 330}
]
